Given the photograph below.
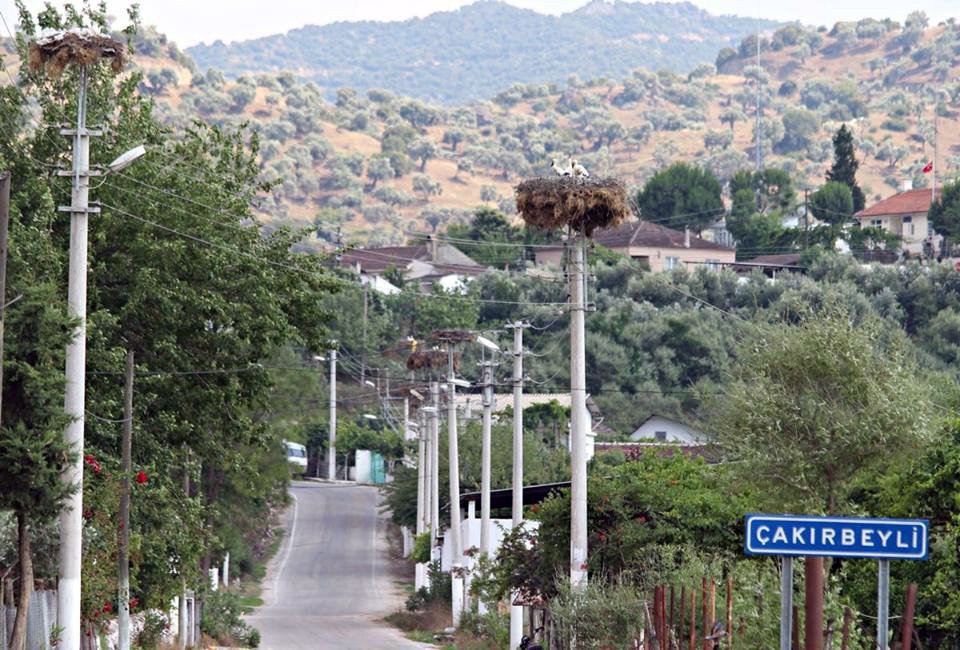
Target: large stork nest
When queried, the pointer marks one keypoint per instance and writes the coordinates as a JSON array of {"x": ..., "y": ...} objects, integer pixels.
[
  {"x": 82, "y": 47},
  {"x": 583, "y": 204},
  {"x": 452, "y": 336},
  {"x": 431, "y": 360}
]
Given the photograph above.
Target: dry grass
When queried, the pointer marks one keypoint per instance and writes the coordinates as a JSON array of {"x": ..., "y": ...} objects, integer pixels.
[{"x": 582, "y": 204}]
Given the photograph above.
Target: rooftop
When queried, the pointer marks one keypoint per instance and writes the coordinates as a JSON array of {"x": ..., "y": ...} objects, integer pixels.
[
  {"x": 651, "y": 235},
  {"x": 909, "y": 202}
]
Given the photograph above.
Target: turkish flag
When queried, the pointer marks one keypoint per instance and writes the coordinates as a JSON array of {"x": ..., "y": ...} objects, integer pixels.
[{"x": 928, "y": 167}]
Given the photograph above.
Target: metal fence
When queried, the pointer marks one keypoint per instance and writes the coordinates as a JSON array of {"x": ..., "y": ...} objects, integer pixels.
[{"x": 41, "y": 617}]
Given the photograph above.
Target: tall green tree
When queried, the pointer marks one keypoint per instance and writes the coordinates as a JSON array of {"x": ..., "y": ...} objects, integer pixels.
[
  {"x": 832, "y": 203},
  {"x": 817, "y": 400},
  {"x": 681, "y": 196},
  {"x": 845, "y": 165},
  {"x": 944, "y": 213}
]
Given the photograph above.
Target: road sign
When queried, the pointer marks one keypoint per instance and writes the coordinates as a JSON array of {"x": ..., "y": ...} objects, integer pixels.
[{"x": 853, "y": 537}]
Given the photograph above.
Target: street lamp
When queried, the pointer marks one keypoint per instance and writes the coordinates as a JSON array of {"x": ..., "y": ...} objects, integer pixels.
[
  {"x": 370, "y": 416},
  {"x": 462, "y": 383},
  {"x": 487, "y": 343},
  {"x": 126, "y": 159}
]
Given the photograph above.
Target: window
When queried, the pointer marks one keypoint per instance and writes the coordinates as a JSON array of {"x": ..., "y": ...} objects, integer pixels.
[
  {"x": 671, "y": 263},
  {"x": 908, "y": 225},
  {"x": 713, "y": 264},
  {"x": 660, "y": 436},
  {"x": 876, "y": 223}
]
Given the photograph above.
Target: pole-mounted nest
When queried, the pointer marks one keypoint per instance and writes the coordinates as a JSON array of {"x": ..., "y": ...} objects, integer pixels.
[
  {"x": 79, "y": 46},
  {"x": 583, "y": 204},
  {"x": 431, "y": 360},
  {"x": 452, "y": 336}
]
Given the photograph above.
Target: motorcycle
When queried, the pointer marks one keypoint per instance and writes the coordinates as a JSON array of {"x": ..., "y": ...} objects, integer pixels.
[{"x": 526, "y": 640}]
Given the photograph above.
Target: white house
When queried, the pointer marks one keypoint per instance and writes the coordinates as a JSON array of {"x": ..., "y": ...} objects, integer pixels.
[{"x": 662, "y": 429}]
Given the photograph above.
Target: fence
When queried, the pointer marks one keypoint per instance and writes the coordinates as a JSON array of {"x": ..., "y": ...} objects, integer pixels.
[{"x": 41, "y": 618}]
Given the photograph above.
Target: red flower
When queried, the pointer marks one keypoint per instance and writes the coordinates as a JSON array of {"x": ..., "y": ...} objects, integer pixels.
[
  {"x": 141, "y": 477},
  {"x": 107, "y": 607},
  {"x": 134, "y": 602}
]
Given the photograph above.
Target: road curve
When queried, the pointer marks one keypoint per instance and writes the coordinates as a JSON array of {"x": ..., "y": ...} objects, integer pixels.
[{"x": 330, "y": 585}]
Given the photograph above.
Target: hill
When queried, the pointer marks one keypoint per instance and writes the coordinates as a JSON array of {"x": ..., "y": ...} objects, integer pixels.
[
  {"x": 378, "y": 165},
  {"x": 476, "y": 51}
]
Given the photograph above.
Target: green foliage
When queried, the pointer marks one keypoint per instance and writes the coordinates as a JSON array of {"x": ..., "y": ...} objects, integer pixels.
[
  {"x": 775, "y": 398},
  {"x": 845, "y": 165},
  {"x": 681, "y": 196},
  {"x": 421, "y": 548},
  {"x": 832, "y": 203},
  {"x": 223, "y": 618},
  {"x": 488, "y": 228},
  {"x": 944, "y": 213}
]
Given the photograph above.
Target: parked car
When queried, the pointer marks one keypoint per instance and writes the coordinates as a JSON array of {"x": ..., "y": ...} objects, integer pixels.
[{"x": 297, "y": 456}]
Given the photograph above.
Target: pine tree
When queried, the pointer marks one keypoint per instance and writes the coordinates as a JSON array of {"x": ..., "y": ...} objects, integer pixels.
[{"x": 845, "y": 164}]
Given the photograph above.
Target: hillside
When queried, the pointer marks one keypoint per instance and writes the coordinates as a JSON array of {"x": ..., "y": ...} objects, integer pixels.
[
  {"x": 379, "y": 165},
  {"x": 472, "y": 53}
]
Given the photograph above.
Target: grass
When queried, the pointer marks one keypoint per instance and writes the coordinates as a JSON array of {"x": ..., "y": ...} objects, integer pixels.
[{"x": 250, "y": 589}]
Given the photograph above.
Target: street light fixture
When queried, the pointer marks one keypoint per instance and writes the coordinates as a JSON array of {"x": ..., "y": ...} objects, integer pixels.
[
  {"x": 370, "y": 416},
  {"x": 462, "y": 383},
  {"x": 369, "y": 383},
  {"x": 126, "y": 159},
  {"x": 487, "y": 343},
  {"x": 416, "y": 394}
]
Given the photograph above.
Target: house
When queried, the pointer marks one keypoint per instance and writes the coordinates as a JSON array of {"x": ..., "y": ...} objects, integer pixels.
[
  {"x": 771, "y": 265},
  {"x": 657, "y": 247},
  {"x": 662, "y": 429},
  {"x": 426, "y": 264},
  {"x": 904, "y": 214}
]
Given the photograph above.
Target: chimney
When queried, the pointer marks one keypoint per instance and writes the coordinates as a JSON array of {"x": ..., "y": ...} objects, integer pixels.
[
  {"x": 906, "y": 185},
  {"x": 433, "y": 247},
  {"x": 686, "y": 237}
]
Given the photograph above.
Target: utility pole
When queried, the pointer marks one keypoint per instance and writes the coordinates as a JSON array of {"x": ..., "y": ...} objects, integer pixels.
[
  {"x": 123, "y": 597},
  {"x": 71, "y": 512},
  {"x": 434, "y": 464},
  {"x": 456, "y": 563},
  {"x": 422, "y": 478},
  {"x": 4, "y": 232},
  {"x": 363, "y": 351},
  {"x": 183, "y": 629},
  {"x": 578, "y": 422},
  {"x": 332, "y": 440},
  {"x": 485, "y": 532},
  {"x": 516, "y": 611}
]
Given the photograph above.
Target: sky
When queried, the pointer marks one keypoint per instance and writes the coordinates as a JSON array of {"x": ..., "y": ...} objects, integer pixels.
[{"x": 189, "y": 22}]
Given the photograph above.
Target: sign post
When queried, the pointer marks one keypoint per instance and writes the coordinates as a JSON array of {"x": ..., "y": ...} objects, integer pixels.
[
  {"x": 786, "y": 601},
  {"x": 790, "y": 536}
]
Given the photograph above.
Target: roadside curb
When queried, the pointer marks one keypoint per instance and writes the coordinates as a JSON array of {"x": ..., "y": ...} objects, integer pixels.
[{"x": 335, "y": 481}]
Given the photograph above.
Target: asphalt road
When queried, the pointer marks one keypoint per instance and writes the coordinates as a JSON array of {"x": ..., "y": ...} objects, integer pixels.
[{"x": 330, "y": 585}]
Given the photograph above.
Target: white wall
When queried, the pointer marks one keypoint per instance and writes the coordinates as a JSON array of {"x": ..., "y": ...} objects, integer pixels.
[{"x": 675, "y": 431}]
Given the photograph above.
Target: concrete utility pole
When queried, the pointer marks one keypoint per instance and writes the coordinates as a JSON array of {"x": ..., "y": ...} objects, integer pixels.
[
  {"x": 71, "y": 512},
  {"x": 516, "y": 611},
  {"x": 422, "y": 491},
  {"x": 123, "y": 560},
  {"x": 434, "y": 463},
  {"x": 485, "y": 531},
  {"x": 183, "y": 623},
  {"x": 456, "y": 563},
  {"x": 4, "y": 231},
  {"x": 578, "y": 421},
  {"x": 332, "y": 439}
]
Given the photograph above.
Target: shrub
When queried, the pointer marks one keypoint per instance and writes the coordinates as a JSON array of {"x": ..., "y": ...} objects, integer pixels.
[{"x": 222, "y": 618}]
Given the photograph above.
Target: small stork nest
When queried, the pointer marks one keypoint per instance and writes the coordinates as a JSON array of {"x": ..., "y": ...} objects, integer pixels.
[
  {"x": 452, "y": 336},
  {"x": 82, "y": 47},
  {"x": 431, "y": 360},
  {"x": 583, "y": 204}
]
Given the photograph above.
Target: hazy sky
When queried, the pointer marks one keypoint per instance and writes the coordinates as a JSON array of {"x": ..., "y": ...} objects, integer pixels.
[{"x": 191, "y": 21}]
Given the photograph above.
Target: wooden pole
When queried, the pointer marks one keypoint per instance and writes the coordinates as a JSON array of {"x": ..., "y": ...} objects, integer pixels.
[
  {"x": 906, "y": 632},
  {"x": 683, "y": 610},
  {"x": 796, "y": 628},
  {"x": 845, "y": 634},
  {"x": 729, "y": 612},
  {"x": 693, "y": 619},
  {"x": 813, "y": 603},
  {"x": 670, "y": 619},
  {"x": 705, "y": 613}
]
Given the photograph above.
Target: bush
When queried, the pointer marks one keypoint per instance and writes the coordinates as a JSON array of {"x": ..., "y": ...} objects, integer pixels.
[
  {"x": 421, "y": 548},
  {"x": 222, "y": 618},
  {"x": 894, "y": 124}
]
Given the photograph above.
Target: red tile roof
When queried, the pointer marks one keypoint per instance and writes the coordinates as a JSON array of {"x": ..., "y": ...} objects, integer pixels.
[
  {"x": 909, "y": 202},
  {"x": 651, "y": 235}
]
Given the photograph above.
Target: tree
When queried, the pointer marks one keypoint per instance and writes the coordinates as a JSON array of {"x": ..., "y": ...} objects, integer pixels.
[
  {"x": 680, "y": 196},
  {"x": 422, "y": 149},
  {"x": 454, "y": 137},
  {"x": 799, "y": 126},
  {"x": 379, "y": 169},
  {"x": 426, "y": 186},
  {"x": 833, "y": 396},
  {"x": 731, "y": 116},
  {"x": 944, "y": 213},
  {"x": 832, "y": 203},
  {"x": 845, "y": 165}
]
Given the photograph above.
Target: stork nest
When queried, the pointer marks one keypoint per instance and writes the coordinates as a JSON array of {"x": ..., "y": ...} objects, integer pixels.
[
  {"x": 431, "y": 360},
  {"x": 452, "y": 336},
  {"x": 583, "y": 204},
  {"x": 82, "y": 47}
]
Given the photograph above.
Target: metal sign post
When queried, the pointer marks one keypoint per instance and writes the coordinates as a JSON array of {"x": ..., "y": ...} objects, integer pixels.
[
  {"x": 883, "y": 604},
  {"x": 786, "y": 601}
]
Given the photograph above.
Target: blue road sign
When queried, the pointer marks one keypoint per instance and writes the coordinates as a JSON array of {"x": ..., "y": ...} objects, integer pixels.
[{"x": 854, "y": 537}]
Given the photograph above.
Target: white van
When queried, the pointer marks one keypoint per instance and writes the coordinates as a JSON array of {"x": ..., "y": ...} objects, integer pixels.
[{"x": 296, "y": 455}]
